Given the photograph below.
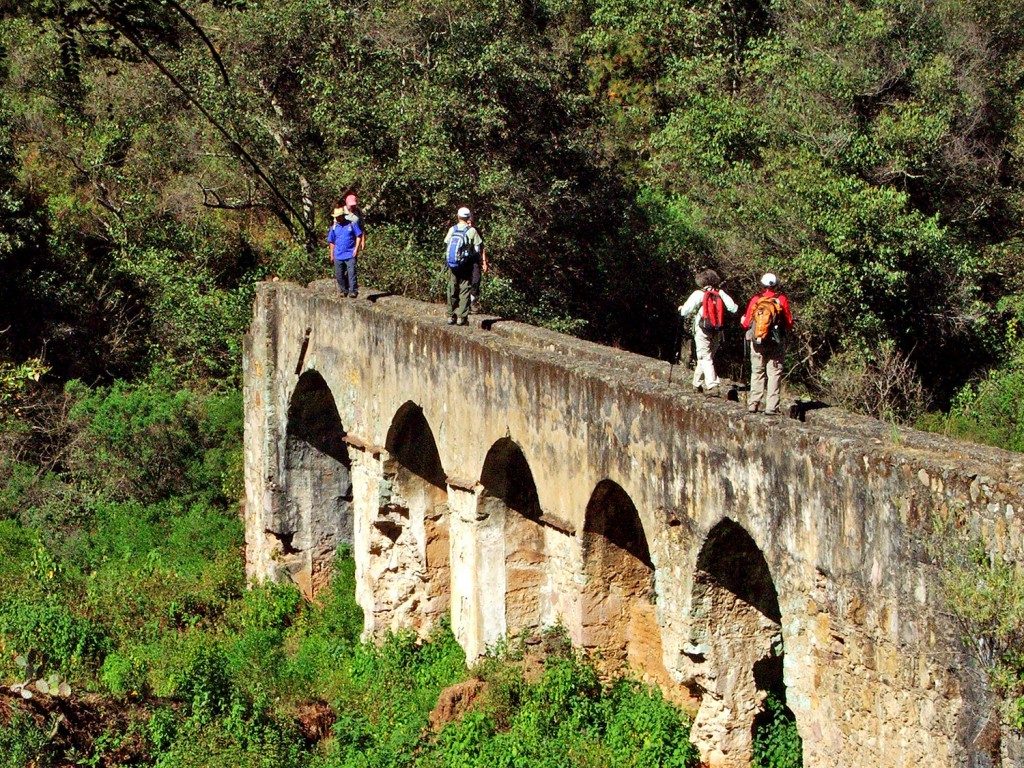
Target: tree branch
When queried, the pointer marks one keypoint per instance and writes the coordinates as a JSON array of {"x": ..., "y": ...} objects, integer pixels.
[
  {"x": 212, "y": 199},
  {"x": 191, "y": 21}
]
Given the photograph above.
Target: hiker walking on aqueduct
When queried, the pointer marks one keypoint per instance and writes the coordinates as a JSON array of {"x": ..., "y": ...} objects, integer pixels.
[
  {"x": 708, "y": 305},
  {"x": 463, "y": 246},
  {"x": 768, "y": 321},
  {"x": 345, "y": 241}
]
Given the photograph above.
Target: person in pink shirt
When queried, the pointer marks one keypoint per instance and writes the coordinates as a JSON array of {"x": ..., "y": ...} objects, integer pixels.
[{"x": 768, "y": 321}]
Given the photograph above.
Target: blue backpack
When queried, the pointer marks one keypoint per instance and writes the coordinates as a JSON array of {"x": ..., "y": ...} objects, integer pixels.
[{"x": 460, "y": 246}]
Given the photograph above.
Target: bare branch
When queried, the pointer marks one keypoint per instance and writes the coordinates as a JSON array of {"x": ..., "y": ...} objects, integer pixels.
[
  {"x": 213, "y": 199},
  {"x": 287, "y": 210}
]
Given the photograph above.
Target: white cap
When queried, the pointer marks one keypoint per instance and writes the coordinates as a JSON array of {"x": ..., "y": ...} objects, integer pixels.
[
  {"x": 464, "y": 213},
  {"x": 769, "y": 280}
]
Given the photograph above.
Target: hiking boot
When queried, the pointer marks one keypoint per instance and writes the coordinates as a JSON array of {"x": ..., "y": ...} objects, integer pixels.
[
  {"x": 772, "y": 413},
  {"x": 752, "y": 408},
  {"x": 451, "y": 320},
  {"x": 715, "y": 391},
  {"x": 462, "y": 321},
  {"x": 474, "y": 306},
  {"x": 697, "y": 390},
  {"x": 354, "y": 295}
]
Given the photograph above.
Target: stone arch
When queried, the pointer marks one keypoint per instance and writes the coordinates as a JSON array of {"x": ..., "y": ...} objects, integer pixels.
[
  {"x": 509, "y": 499},
  {"x": 735, "y": 642},
  {"x": 619, "y": 619},
  {"x": 317, "y": 485},
  {"x": 408, "y": 562}
]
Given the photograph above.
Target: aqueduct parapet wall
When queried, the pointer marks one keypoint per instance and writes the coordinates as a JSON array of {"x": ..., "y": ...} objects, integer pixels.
[{"x": 514, "y": 478}]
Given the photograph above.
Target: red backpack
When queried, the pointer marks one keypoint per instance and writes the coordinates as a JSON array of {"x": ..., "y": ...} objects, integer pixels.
[{"x": 712, "y": 312}]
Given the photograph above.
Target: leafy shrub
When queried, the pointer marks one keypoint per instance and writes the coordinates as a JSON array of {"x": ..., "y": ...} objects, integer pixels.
[
  {"x": 215, "y": 745},
  {"x": 777, "y": 743},
  {"x": 17, "y": 544},
  {"x": 259, "y": 620},
  {"x": 47, "y": 627},
  {"x": 125, "y": 673},
  {"x": 565, "y": 718},
  {"x": 195, "y": 323},
  {"x": 991, "y": 411},
  {"x": 150, "y": 441},
  {"x": 323, "y": 638},
  {"x": 146, "y": 572},
  {"x": 645, "y": 731},
  {"x": 162, "y": 728},
  {"x": 136, "y": 441},
  {"x": 986, "y": 594},
  {"x": 270, "y": 607},
  {"x": 199, "y": 676},
  {"x": 23, "y": 742}
]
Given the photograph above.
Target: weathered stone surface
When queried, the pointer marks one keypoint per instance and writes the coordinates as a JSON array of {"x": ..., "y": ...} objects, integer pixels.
[{"x": 474, "y": 478}]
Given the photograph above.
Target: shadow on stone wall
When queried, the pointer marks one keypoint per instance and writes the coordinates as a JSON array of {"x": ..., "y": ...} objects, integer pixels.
[
  {"x": 317, "y": 485},
  {"x": 410, "y": 539},
  {"x": 510, "y": 495},
  {"x": 736, "y": 643},
  {"x": 619, "y": 618}
]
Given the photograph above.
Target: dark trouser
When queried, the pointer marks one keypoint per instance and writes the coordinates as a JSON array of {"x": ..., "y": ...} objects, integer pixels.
[
  {"x": 474, "y": 282},
  {"x": 459, "y": 282},
  {"x": 345, "y": 274}
]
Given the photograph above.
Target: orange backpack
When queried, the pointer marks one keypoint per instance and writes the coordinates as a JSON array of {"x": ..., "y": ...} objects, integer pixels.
[{"x": 765, "y": 320}]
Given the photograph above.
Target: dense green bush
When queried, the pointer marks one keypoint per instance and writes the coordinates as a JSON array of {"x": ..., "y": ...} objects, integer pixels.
[
  {"x": 47, "y": 627},
  {"x": 990, "y": 411},
  {"x": 566, "y": 718},
  {"x": 23, "y": 742},
  {"x": 776, "y": 741},
  {"x": 150, "y": 440}
]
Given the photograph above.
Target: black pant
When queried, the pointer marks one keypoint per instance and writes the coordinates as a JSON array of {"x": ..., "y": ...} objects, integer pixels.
[{"x": 474, "y": 280}]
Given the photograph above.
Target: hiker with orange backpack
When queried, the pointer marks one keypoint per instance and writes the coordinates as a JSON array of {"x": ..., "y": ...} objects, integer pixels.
[
  {"x": 708, "y": 304},
  {"x": 768, "y": 321}
]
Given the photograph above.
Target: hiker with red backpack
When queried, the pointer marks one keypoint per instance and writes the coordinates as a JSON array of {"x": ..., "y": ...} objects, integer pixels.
[
  {"x": 768, "y": 321},
  {"x": 708, "y": 304},
  {"x": 463, "y": 246}
]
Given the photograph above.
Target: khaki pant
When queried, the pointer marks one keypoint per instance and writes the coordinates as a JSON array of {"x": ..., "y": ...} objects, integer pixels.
[
  {"x": 704, "y": 370},
  {"x": 765, "y": 372},
  {"x": 459, "y": 281}
]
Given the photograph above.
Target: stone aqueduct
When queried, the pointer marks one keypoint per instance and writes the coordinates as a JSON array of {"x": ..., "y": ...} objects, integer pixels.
[{"x": 515, "y": 478}]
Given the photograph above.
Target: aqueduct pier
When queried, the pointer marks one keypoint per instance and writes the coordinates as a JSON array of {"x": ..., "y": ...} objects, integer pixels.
[{"x": 515, "y": 478}]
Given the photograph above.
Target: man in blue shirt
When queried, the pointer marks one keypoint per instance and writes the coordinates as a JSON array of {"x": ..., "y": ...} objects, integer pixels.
[{"x": 345, "y": 241}]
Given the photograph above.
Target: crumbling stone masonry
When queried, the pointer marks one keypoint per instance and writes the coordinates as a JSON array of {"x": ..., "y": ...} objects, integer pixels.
[{"x": 514, "y": 478}]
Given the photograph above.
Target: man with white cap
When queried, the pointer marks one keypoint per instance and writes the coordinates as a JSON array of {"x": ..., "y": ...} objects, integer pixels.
[
  {"x": 345, "y": 240},
  {"x": 768, "y": 320},
  {"x": 462, "y": 247}
]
